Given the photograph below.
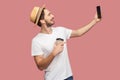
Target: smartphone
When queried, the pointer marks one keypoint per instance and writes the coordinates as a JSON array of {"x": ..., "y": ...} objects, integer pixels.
[{"x": 99, "y": 12}]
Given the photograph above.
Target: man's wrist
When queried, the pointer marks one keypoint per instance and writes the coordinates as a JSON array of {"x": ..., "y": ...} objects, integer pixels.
[
  {"x": 95, "y": 20},
  {"x": 53, "y": 53}
]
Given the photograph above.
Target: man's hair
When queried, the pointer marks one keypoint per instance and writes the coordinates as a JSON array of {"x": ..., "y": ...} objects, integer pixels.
[{"x": 41, "y": 17}]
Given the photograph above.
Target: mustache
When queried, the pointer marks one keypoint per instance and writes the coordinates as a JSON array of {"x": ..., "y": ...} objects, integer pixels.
[{"x": 52, "y": 18}]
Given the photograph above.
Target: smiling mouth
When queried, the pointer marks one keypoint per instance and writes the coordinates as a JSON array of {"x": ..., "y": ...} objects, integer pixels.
[{"x": 52, "y": 19}]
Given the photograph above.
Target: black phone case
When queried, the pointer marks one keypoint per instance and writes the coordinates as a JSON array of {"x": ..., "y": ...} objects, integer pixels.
[{"x": 99, "y": 12}]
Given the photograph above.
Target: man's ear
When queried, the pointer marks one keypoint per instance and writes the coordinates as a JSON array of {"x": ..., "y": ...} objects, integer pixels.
[{"x": 42, "y": 21}]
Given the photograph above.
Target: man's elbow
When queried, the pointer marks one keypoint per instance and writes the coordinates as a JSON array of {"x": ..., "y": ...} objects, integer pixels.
[{"x": 41, "y": 68}]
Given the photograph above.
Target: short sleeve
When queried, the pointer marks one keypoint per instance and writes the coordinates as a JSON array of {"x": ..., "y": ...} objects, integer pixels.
[
  {"x": 67, "y": 32},
  {"x": 36, "y": 48}
]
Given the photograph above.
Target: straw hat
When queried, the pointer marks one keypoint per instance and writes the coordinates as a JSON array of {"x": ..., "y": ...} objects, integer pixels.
[{"x": 36, "y": 13}]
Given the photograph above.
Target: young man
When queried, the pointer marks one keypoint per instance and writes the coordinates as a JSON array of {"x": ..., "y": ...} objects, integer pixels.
[{"x": 49, "y": 56}]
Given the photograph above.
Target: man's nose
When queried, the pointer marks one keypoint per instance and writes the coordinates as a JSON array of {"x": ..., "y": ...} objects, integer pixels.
[{"x": 52, "y": 15}]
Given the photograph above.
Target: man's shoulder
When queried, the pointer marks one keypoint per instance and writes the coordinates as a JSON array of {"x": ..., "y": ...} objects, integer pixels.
[{"x": 35, "y": 38}]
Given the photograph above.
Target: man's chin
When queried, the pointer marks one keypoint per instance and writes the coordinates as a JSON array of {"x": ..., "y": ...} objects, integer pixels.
[
  {"x": 50, "y": 25},
  {"x": 53, "y": 22}
]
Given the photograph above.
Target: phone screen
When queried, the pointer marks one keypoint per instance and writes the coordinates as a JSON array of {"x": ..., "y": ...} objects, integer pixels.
[{"x": 99, "y": 12}]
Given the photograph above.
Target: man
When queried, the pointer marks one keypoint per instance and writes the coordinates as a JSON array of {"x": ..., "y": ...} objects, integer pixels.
[{"x": 49, "y": 56}]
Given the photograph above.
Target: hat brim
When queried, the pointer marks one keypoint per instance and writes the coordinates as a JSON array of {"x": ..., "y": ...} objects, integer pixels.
[{"x": 39, "y": 14}]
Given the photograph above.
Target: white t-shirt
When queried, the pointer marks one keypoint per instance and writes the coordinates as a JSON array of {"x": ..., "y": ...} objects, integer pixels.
[{"x": 42, "y": 44}]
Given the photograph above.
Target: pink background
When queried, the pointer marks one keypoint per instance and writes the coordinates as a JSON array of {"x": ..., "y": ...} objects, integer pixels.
[{"x": 94, "y": 56}]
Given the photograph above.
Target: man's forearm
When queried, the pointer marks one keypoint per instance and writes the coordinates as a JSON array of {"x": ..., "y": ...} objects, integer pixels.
[
  {"x": 46, "y": 61},
  {"x": 86, "y": 28},
  {"x": 43, "y": 63}
]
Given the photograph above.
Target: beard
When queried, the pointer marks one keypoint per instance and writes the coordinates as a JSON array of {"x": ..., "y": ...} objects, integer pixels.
[{"x": 49, "y": 24}]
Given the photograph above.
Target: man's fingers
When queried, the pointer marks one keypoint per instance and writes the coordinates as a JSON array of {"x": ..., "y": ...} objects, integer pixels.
[
  {"x": 96, "y": 16},
  {"x": 62, "y": 44}
]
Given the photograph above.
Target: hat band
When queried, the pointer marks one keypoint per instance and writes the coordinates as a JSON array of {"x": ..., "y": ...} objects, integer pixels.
[{"x": 37, "y": 16}]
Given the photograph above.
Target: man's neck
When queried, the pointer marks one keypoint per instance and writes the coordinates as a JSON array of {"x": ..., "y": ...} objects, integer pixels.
[{"x": 45, "y": 29}]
